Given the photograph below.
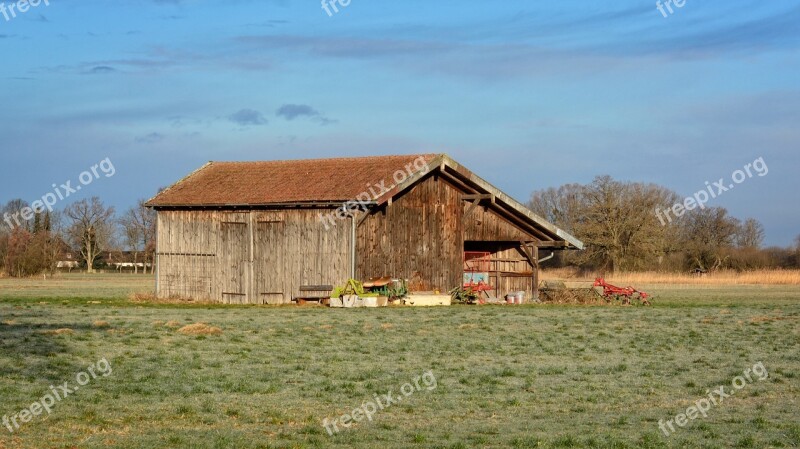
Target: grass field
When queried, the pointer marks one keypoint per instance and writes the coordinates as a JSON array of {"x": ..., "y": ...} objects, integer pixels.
[{"x": 506, "y": 377}]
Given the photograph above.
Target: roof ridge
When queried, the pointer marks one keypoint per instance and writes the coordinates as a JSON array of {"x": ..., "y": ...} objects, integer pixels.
[{"x": 331, "y": 158}]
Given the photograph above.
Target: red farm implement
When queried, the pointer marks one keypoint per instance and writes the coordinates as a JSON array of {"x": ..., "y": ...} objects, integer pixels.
[{"x": 626, "y": 294}]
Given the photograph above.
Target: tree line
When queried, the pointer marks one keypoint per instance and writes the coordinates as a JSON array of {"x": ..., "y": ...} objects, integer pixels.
[
  {"x": 87, "y": 228},
  {"x": 624, "y": 229}
]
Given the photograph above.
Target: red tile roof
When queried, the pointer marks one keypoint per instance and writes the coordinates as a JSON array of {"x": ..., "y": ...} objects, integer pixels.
[{"x": 286, "y": 182}]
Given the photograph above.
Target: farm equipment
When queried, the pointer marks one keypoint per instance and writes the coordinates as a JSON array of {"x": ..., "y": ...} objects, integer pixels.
[{"x": 626, "y": 293}]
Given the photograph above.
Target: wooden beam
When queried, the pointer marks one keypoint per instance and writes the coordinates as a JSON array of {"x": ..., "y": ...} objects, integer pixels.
[
  {"x": 479, "y": 196},
  {"x": 363, "y": 218},
  {"x": 460, "y": 184},
  {"x": 535, "y": 255},
  {"x": 527, "y": 252},
  {"x": 475, "y": 204},
  {"x": 553, "y": 244}
]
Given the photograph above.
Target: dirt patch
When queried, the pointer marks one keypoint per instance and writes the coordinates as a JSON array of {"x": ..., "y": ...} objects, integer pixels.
[
  {"x": 101, "y": 324},
  {"x": 387, "y": 326},
  {"x": 200, "y": 329}
]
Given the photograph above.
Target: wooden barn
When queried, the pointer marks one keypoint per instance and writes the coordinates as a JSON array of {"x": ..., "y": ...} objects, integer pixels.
[{"x": 271, "y": 232}]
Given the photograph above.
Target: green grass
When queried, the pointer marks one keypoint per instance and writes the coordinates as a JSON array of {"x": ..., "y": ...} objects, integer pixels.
[{"x": 518, "y": 377}]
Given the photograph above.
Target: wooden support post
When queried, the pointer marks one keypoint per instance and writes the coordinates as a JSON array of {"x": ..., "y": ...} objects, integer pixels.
[{"x": 535, "y": 256}]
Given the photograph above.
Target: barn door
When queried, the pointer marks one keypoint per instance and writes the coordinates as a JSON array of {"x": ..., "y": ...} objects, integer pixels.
[
  {"x": 235, "y": 258},
  {"x": 269, "y": 267}
]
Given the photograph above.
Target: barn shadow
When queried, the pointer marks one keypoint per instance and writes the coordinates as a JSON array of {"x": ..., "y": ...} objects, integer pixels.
[{"x": 35, "y": 351}]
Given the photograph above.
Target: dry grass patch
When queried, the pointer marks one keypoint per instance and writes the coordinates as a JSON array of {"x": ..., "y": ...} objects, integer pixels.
[
  {"x": 387, "y": 326},
  {"x": 9, "y": 322},
  {"x": 726, "y": 277},
  {"x": 151, "y": 298},
  {"x": 142, "y": 297},
  {"x": 173, "y": 323},
  {"x": 200, "y": 329},
  {"x": 65, "y": 331},
  {"x": 102, "y": 324}
]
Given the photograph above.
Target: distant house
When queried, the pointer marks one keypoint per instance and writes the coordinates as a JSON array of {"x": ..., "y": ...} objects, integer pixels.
[
  {"x": 267, "y": 232},
  {"x": 67, "y": 260},
  {"x": 124, "y": 260}
]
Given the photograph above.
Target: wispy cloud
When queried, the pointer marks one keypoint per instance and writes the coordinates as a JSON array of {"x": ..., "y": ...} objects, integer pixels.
[
  {"x": 150, "y": 139},
  {"x": 248, "y": 117},
  {"x": 293, "y": 111}
]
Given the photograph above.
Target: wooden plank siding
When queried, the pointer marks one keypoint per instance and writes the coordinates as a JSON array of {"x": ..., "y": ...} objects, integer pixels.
[
  {"x": 421, "y": 237},
  {"x": 418, "y": 237},
  {"x": 266, "y": 256},
  {"x": 252, "y": 257},
  {"x": 483, "y": 224}
]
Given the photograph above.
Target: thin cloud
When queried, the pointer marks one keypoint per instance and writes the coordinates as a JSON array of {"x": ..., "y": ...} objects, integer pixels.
[
  {"x": 294, "y": 111},
  {"x": 248, "y": 117}
]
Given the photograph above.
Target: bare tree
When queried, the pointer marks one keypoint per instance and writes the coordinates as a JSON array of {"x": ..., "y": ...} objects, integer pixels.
[
  {"x": 707, "y": 233},
  {"x": 797, "y": 251},
  {"x": 615, "y": 219},
  {"x": 90, "y": 228},
  {"x": 750, "y": 234},
  {"x": 562, "y": 206},
  {"x": 139, "y": 230},
  {"x": 620, "y": 225}
]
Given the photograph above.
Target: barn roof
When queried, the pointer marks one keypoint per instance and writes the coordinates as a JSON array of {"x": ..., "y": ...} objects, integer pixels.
[{"x": 321, "y": 182}]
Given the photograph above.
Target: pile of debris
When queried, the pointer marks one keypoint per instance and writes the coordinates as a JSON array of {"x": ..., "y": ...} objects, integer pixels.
[{"x": 587, "y": 292}]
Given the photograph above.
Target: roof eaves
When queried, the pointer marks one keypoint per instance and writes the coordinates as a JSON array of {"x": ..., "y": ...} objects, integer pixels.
[{"x": 519, "y": 207}]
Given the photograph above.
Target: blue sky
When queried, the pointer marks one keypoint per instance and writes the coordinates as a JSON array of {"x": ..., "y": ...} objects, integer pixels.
[{"x": 528, "y": 94}]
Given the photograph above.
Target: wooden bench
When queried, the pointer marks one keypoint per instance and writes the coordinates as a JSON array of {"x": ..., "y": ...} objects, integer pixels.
[{"x": 313, "y": 293}]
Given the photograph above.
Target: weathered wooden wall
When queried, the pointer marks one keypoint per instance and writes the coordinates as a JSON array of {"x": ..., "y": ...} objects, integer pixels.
[
  {"x": 484, "y": 224},
  {"x": 418, "y": 237},
  {"x": 265, "y": 256},
  {"x": 256, "y": 257},
  {"x": 421, "y": 237}
]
